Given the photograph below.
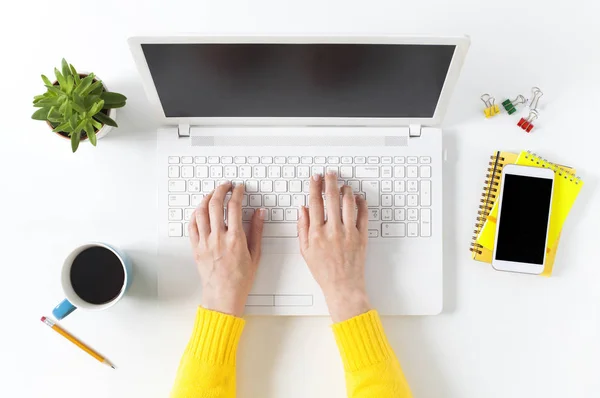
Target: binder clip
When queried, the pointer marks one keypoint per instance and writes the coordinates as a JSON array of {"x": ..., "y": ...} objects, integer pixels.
[
  {"x": 533, "y": 102},
  {"x": 511, "y": 106},
  {"x": 527, "y": 123},
  {"x": 491, "y": 109}
]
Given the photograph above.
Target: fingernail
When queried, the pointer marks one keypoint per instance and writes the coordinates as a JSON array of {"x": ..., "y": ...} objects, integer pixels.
[
  {"x": 330, "y": 173},
  {"x": 225, "y": 182},
  {"x": 316, "y": 177},
  {"x": 262, "y": 213}
]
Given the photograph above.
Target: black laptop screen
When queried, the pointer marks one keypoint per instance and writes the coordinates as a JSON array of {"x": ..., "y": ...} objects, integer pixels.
[{"x": 299, "y": 80}]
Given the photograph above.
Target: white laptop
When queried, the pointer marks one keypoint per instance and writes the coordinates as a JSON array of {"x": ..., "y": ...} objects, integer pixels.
[{"x": 269, "y": 112}]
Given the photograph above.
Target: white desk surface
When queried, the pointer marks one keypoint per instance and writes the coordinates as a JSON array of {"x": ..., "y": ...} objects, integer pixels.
[{"x": 501, "y": 335}]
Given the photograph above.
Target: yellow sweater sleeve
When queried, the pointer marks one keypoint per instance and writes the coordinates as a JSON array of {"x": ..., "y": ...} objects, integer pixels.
[
  {"x": 207, "y": 368},
  {"x": 371, "y": 367}
]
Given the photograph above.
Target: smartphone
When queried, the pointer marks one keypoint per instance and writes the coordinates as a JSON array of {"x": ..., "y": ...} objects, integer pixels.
[{"x": 524, "y": 209}]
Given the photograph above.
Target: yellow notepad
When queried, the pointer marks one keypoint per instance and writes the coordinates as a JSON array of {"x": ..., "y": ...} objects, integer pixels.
[
  {"x": 487, "y": 202},
  {"x": 566, "y": 188}
]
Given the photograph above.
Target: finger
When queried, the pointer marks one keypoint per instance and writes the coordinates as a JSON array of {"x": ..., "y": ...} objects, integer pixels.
[
  {"x": 234, "y": 209},
  {"x": 215, "y": 207},
  {"x": 348, "y": 207},
  {"x": 332, "y": 194},
  {"x": 317, "y": 214},
  {"x": 303, "y": 226},
  {"x": 362, "y": 218},
  {"x": 202, "y": 217},
  {"x": 193, "y": 230},
  {"x": 255, "y": 234}
]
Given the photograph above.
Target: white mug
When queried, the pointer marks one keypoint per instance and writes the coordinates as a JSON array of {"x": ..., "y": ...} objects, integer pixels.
[{"x": 72, "y": 300}]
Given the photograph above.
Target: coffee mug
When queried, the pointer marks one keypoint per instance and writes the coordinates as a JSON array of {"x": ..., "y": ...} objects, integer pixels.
[{"x": 95, "y": 276}]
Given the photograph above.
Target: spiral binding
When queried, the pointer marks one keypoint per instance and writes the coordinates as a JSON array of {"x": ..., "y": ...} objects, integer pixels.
[
  {"x": 488, "y": 196},
  {"x": 562, "y": 172}
]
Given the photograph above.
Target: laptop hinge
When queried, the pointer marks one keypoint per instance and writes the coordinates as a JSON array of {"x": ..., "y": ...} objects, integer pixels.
[
  {"x": 414, "y": 130},
  {"x": 183, "y": 130}
]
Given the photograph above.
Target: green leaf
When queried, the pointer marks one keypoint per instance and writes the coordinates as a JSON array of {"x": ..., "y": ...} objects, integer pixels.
[
  {"x": 55, "y": 116},
  {"x": 91, "y": 88},
  {"x": 90, "y": 100},
  {"x": 61, "y": 79},
  {"x": 62, "y": 127},
  {"x": 96, "y": 124},
  {"x": 75, "y": 138},
  {"x": 68, "y": 110},
  {"x": 102, "y": 118},
  {"x": 81, "y": 126},
  {"x": 70, "y": 84},
  {"x": 41, "y": 114},
  {"x": 73, "y": 123},
  {"x": 113, "y": 106},
  {"x": 113, "y": 98},
  {"x": 47, "y": 102},
  {"x": 55, "y": 90},
  {"x": 78, "y": 103},
  {"x": 66, "y": 71},
  {"x": 98, "y": 90},
  {"x": 85, "y": 83},
  {"x": 92, "y": 137},
  {"x": 97, "y": 107},
  {"x": 47, "y": 81},
  {"x": 88, "y": 127}
]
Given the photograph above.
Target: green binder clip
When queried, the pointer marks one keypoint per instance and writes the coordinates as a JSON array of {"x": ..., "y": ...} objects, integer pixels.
[{"x": 511, "y": 106}]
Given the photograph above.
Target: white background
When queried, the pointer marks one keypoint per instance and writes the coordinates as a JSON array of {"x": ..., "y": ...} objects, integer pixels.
[{"x": 501, "y": 334}]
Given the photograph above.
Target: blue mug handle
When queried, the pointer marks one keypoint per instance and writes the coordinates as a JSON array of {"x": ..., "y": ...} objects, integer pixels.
[{"x": 63, "y": 309}]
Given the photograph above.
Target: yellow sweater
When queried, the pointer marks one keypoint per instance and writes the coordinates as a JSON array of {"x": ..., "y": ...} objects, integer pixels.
[{"x": 207, "y": 369}]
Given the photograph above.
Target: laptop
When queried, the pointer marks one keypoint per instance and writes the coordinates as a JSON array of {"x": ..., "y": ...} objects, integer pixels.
[{"x": 269, "y": 112}]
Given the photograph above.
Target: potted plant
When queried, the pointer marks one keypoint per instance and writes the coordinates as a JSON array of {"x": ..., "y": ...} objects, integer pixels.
[{"x": 77, "y": 106}]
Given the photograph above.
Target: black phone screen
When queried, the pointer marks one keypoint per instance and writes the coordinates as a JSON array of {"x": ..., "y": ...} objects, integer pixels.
[{"x": 523, "y": 222}]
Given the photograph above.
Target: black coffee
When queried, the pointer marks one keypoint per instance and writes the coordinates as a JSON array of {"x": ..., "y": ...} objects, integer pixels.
[{"x": 97, "y": 275}]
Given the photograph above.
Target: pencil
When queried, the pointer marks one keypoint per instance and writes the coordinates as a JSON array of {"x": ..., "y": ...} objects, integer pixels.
[{"x": 73, "y": 340}]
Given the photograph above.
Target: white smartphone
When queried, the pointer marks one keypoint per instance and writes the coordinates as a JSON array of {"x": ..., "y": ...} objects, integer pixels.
[{"x": 524, "y": 209}]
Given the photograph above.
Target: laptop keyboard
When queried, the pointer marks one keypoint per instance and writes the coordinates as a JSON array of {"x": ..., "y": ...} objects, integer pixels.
[{"x": 397, "y": 189}]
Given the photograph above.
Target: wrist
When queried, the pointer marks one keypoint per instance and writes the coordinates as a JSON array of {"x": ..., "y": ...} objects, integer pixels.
[
  {"x": 347, "y": 303},
  {"x": 230, "y": 304}
]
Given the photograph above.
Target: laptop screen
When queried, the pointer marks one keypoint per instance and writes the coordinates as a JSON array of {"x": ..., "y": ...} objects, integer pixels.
[{"x": 299, "y": 80}]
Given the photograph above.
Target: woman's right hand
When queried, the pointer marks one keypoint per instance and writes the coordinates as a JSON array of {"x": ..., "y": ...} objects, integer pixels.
[{"x": 335, "y": 250}]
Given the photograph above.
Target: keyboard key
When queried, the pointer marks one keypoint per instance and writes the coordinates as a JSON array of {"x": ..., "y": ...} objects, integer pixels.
[
  {"x": 285, "y": 200},
  {"x": 235, "y": 183},
  {"x": 413, "y": 200},
  {"x": 412, "y": 171},
  {"x": 386, "y": 172},
  {"x": 307, "y": 159},
  {"x": 187, "y": 172},
  {"x": 256, "y": 200},
  {"x": 332, "y": 169},
  {"x": 399, "y": 172},
  {"x": 259, "y": 172},
  {"x": 270, "y": 200},
  {"x": 266, "y": 159},
  {"x": 399, "y": 200},
  {"x": 230, "y": 172},
  {"x": 298, "y": 200},
  {"x": 213, "y": 160},
  {"x": 399, "y": 186},
  {"x": 176, "y": 186},
  {"x": 413, "y": 214},
  {"x": 320, "y": 160},
  {"x": 367, "y": 172},
  {"x": 295, "y": 186},
  {"x": 175, "y": 229},
  {"x": 303, "y": 171},
  {"x": 360, "y": 160},
  {"x": 425, "y": 171},
  {"x": 289, "y": 172},
  {"x": 425, "y": 159},
  {"x": 188, "y": 214},
  {"x": 333, "y": 159},
  {"x": 387, "y": 215},
  {"x": 373, "y": 233},
  {"x": 371, "y": 191},
  {"x": 393, "y": 230},
  {"x": 208, "y": 186},
  {"x": 245, "y": 171},
  {"x": 306, "y": 186},
  {"x": 175, "y": 214},
  {"x": 386, "y": 200},
  {"x": 279, "y": 159},
  {"x": 253, "y": 159},
  {"x": 413, "y": 229},
  {"x": 201, "y": 171},
  {"x": 399, "y": 214},
  {"x": 179, "y": 200},
  {"x": 187, "y": 160},
  {"x": 196, "y": 200},
  {"x": 173, "y": 159},
  {"x": 274, "y": 171},
  {"x": 239, "y": 160},
  {"x": 347, "y": 159},
  {"x": 266, "y": 186},
  {"x": 200, "y": 159},
  {"x": 425, "y": 193},
  {"x": 413, "y": 186},
  {"x": 373, "y": 160},
  {"x": 386, "y": 186},
  {"x": 227, "y": 160},
  {"x": 318, "y": 170},
  {"x": 293, "y": 160},
  {"x": 412, "y": 160},
  {"x": 277, "y": 215},
  {"x": 291, "y": 215},
  {"x": 280, "y": 230},
  {"x": 386, "y": 160},
  {"x": 280, "y": 186},
  {"x": 399, "y": 159},
  {"x": 247, "y": 214},
  {"x": 216, "y": 172},
  {"x": 346, "y": 172},
  {"x": 355, "y": 185},
  {"x": 194, "y": 186},
  {"x": 173, "y": 171},
  {"x": 426, "y": 222}
]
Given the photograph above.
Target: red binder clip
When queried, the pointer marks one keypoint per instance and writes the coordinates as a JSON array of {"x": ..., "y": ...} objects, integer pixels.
[{"x": 527, "y": 123}]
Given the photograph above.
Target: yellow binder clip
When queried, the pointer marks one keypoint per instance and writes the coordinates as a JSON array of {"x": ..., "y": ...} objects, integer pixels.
[{"x": 491, "y": 109}]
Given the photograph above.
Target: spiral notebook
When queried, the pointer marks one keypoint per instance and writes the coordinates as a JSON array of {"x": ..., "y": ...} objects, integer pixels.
[{"x": 567, "y": 187}]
